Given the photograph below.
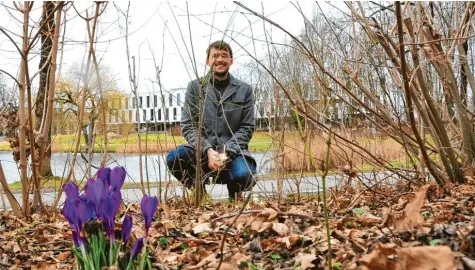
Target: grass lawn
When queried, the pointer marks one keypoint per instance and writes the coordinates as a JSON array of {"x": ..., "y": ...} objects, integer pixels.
[
  {"x": 65, "y": 143},
  {"x": 55, "y": 182}
]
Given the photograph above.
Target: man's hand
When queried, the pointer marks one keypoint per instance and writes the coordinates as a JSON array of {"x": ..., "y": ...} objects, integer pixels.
[{"x": 216, "y": 161}]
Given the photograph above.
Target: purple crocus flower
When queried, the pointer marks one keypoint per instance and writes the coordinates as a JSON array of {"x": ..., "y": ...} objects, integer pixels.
[
  {"x": 94, "y": 192},
  {"x": 71, "y": 206},
  {"x": 104, "y": 174},
  {"x": 77, "y": 210},
  {"x": 109, "y": 206},
  {"x": 117, "y": 177},
  {"x": 136, "y": 248},
  {"x": 71, "y": 190},
  {"x": 126, "y": 229},
  {"x": 70, "y": 212},
  {"x": 149, "y": 207},
  {"x": 86, "y": 209}
]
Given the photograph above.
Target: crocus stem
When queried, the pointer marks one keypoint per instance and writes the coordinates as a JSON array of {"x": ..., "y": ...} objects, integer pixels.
[
  {"x": 144, "y": 253},
  {"x": 130, "y": 263},
  {"x": 111, "y": 258},
  {"x": 87, "y": 262}
]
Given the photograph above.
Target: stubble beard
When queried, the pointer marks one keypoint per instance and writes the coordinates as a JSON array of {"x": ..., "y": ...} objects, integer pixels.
[{"x": 221, "y": 74}]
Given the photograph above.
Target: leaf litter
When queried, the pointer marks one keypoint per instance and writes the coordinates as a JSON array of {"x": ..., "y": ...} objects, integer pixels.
[{"x": 386, "y": 227}]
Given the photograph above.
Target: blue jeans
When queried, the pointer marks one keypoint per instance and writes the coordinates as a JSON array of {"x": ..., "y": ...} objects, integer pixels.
[{"x": 237, "y": 174}]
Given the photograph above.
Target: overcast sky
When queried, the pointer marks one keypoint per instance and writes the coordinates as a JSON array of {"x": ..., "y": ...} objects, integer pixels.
[{"x": 209, "y": 21}]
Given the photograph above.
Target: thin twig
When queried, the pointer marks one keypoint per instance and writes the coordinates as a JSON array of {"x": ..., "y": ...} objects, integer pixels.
[{"x": 221, "y": 249}]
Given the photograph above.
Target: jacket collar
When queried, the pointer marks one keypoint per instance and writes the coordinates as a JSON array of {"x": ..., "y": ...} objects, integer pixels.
[
  {"x": 228, "y": 92},
  {"x": 231, "y": 88}
]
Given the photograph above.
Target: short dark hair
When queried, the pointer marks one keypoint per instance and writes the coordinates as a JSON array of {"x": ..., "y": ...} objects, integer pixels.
[{"x": 220, "y": 45}]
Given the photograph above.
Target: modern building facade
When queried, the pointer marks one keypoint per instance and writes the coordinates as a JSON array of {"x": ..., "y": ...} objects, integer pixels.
[{"x": 155, "y": 111}]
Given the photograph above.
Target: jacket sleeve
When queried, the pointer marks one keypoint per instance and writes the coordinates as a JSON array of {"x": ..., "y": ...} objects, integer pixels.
[
  {"x": 243, "y": 135},
  {"x": 190, "y": 118}
]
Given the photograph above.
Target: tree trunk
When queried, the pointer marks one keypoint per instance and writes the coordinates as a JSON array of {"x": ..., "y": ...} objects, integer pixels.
[{"x": 41, "y": 101}]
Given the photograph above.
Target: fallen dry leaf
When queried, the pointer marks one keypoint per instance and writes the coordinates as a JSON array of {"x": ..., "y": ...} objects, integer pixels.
[
  {"x": 388, "y": 257},
  {"x": 412, "y": 212},
  {"x": 269, "y": 213},
  {"x": 202, "y": 228},
  {"x": 224, "y": 266},
  {"x": 281, "y": 229},
  {"x": 305, "y": 260},
  {"x": 206, "y": 261}
]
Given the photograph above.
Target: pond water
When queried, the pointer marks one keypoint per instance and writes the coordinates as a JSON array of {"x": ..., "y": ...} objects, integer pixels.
[{"x": 156, "y": 165}]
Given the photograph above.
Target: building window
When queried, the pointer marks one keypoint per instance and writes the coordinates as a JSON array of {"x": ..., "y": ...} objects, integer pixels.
[
  {"x": 159, "y": 115},
  {"x": 170, "y": 100},
  {"x": 117, "y": 117},
  {"x": 148, "y": 101},
  {"x": 134, "y": 100},
  {"x": 126, "y": 103},
  {"x": 175, "y": 116},
  {"x": 144, "y": 115},
  {"x": 140, "y": 102},
  {"x": 130, "y": 116},
  {"x": 155, "y": 101},
  {"x": 151, "y": 115},
  {"x": 178, "y": 99},
  {"x": 122, "y": 120}
]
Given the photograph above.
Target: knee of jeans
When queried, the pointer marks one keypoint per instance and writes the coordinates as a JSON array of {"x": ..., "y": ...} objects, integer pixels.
[
  {"x": 171, "y": 158},
  {"x": 242, "y": 175}
]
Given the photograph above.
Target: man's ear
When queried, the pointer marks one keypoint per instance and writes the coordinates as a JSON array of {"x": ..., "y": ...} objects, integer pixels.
[
  {"x": 207, "y": 62},
  {"x": 231, "y": 61}
]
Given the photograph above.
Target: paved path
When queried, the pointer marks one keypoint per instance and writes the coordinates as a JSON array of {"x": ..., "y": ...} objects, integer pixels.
[{"x": 309, "y": 185}]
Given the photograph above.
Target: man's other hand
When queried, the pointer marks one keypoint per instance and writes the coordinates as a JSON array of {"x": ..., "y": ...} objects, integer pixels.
[
  {"x": 216, "y": 161},
  {"x": 213, "y": 159}
]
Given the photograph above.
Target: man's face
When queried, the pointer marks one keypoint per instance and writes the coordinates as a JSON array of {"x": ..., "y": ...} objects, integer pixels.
[{"x": 219, "y": 60}]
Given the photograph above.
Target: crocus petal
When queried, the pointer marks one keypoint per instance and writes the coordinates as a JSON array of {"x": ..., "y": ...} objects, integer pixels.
[
  {"x": 110, "y": 204},
  {"x": 117, "y": 177},
  {"x": 94, "y": 191},
  {"x": 104, "y": 174},
  {"x": 86, "y": 209},
  {"x": 126, "y": 229},
  {"x": 136, "y": 248},
  {"x": 70, "y": 212},
  {"x": 71, "y": 190},
  {"x": 149, "y": 207}
]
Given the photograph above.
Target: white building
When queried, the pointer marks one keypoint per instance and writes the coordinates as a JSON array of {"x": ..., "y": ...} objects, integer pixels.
[
  {"x": 156, "y": 110},
  {"x": 158, "y": 107}
]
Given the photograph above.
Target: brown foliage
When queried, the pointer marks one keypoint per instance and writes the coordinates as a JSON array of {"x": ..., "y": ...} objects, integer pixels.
[
  {"x": 388, "y": 257},
  {"x": 296, "y": 157}
]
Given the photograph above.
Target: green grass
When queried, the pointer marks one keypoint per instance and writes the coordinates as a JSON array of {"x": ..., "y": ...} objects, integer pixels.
[
  {"x": 4, "y": 146},
  {"x": 55, "y": 183},
  {"x": 65, "y": 143},
  {"x": 50, "y": 182},
  {"x": 15, "y": 186}
]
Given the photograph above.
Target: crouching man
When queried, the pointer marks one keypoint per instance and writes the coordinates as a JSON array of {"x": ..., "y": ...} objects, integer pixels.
[{"x": 228, "y": 125}]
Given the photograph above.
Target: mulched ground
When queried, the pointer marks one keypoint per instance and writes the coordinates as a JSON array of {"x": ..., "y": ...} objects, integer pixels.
[{"x": 379, "y": 227}]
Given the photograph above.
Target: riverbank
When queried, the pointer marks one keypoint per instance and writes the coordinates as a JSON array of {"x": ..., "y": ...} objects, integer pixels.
[
  {"x": 151, "y": 143},
  {"x": 50, "y": 184}
]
